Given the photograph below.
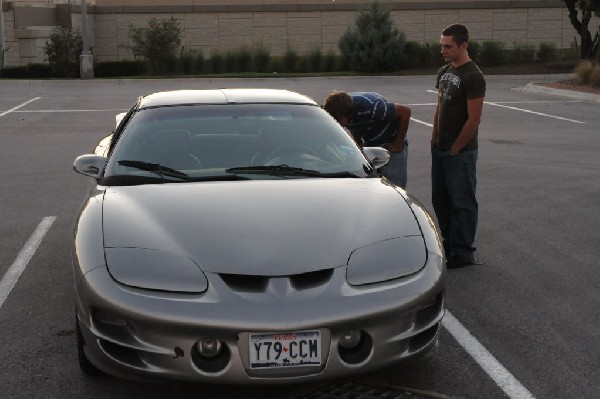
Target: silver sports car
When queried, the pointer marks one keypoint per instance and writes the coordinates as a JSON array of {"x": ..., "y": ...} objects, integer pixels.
[{"x": 241, "y": 236}]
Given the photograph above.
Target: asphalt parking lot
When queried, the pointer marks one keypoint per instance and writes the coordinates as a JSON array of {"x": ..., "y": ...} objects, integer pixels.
[{"x": 525, "y": 323}]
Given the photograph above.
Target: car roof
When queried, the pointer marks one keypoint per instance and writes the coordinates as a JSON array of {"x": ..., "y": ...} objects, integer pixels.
[{"x": 224, "y": 96}]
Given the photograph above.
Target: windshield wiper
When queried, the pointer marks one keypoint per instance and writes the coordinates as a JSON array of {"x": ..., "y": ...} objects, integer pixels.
[
  {"x": 286, "y": 169},
  {"x": 155, "y": 168}
]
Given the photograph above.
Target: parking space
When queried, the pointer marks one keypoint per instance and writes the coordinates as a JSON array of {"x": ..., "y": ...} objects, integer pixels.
[{"x": 530, "y": 307}]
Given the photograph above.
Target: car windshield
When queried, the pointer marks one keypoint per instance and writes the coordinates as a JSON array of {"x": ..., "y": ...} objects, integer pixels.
[{"x": 233, "y": 142}]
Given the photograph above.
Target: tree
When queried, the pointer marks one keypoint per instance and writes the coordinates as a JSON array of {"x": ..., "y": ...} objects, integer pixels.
[
  {"x": 375, "y": 45},
  {"x": 63, "y": 51},
  {"x": 157, "y": 42},
  {"x": 589, "y": 46}
]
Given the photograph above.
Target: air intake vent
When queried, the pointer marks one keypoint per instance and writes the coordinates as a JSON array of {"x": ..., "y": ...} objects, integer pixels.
[{"x": 249, "y": 283}]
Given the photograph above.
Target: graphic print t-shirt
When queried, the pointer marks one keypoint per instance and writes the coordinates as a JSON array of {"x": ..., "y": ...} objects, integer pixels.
[{"x": 456, "y": 86}]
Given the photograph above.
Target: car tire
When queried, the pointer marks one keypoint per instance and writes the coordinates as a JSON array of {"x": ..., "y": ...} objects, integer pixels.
[{"x": 84, "y": 363}]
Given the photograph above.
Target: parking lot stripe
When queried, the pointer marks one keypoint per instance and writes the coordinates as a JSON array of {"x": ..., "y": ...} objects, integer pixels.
[
  {"x": 501, "y": 376},
  {"x": 534, "y": 112},
  {"x": 16, "y": 269},
  {"x": 19, "y": 106}
]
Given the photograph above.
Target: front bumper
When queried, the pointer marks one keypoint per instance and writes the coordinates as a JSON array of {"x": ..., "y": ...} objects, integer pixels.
[{"x": 149, "y": 335}]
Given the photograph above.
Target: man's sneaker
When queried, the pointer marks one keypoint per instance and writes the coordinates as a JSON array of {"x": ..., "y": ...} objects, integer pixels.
[{"x": 457, "y": 262}]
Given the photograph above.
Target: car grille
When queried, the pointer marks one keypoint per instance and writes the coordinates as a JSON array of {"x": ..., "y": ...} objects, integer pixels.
[{"x": 252, "y": 283}]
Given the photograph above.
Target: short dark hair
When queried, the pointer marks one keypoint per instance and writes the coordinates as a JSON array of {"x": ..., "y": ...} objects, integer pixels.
[
  {"x": 339, "y": 104},
  {"x": 459, "y": 33}
]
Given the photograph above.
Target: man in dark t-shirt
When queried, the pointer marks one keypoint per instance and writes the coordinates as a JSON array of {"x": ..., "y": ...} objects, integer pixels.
[{"x": 454, "y": 146}]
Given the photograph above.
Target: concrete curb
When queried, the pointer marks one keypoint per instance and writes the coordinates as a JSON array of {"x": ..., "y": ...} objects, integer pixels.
[{"x": 576, "y": 95}]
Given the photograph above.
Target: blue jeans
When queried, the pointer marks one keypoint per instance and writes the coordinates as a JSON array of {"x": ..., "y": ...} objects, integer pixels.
[
  {"x": 453, "y": 186},
  {"x": 395, "y": 169}
]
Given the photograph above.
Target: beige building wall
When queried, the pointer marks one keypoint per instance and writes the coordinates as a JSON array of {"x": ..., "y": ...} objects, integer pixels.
[{"x": 218, "y": 25}]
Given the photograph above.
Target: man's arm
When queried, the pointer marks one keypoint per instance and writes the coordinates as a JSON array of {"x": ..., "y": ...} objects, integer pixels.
[
  {"x": 474, "y": 109},
  {"x": 402, "y": 114},
  {"x": 434, "y": 131}
]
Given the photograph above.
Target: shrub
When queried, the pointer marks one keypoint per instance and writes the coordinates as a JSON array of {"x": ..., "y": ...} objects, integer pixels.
[
  {"x": 157, "y": 42},
  {"x": 330, "y": 62},
  {"x": 187, "y": 62},
  {"x": 261, "y": 58},
  {"x": 314, "y": 59},
  {"x": 594, "y": 78},
  {"x": 522, "y": 53},
  {"x": 216, "y": 61},
  {"x": 63, "y": 51},
  {"x": 109, "y": 69},
  {"x": 229, "y": 62},
  {"x": 413, "y": 55},
  {"x": 583, "y": 72},
  {"x": 290, "y": 60},
  {"x": 475, "y": 51},
  {"x": 374, "y": 45},
  {"x": 492, "y": 53},
  {"x": 243, "y": 59},
  {"x": 547, "y": 52},
  {"x": 29, "y": 71}
]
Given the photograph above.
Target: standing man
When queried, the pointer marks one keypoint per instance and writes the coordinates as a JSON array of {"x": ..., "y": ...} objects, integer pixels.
[
  {"x": 373, "y": 121},
  {"x": 454, "y": 147}
]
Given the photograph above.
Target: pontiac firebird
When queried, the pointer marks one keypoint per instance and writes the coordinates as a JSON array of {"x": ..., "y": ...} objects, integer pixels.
[{"x": 241, "y": 236}]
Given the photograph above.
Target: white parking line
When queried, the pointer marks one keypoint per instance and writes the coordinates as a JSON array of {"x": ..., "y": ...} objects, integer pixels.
[
  {"x": 19, "y": 106},
  {"x": 503, "y": 378},
  {"x": 16, "y": 269},
  {"x": 499, "y": 104}
]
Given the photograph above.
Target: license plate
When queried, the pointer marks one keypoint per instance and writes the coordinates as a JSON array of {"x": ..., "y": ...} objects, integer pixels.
[{"x": 285, "y": 349}]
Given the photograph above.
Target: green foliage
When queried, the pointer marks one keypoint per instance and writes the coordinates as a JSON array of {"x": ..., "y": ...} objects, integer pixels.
[
  {"x": 290, "y": 60},
  {"x": 314, "y": 59},
  {"x": 63, "y": 51},
  {"x": 547, "y": 52},
  {"x": 492, "y": 53},
  {"x": 29, "y": 71},
  {"x": 157, "y": 42},
  {"x": 330, "y": 62},
  {"x": 261, "y": 58},
  {"x": 522, "y": 53},
  {"x": 217, "y": 61},
  {"x": 374, "y": 45},
  {"x": 109, "y": 69},
  {"x": 417, "y": 55}
]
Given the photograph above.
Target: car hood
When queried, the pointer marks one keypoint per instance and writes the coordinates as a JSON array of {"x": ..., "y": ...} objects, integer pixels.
[{"x": 258, "y": 227}]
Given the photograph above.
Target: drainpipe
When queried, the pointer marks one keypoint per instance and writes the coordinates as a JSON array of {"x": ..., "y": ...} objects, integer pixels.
[{"x": 86, "y": 61}]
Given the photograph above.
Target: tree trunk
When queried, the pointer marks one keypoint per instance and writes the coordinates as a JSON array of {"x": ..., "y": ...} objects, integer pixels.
[{"x": 582, "y": 29}]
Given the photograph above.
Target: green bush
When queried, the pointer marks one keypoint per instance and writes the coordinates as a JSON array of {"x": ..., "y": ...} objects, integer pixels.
[
  {"x": 157, "y": 42},
  {"x": 330, "y": 62},
  {"x": 109, "y": 69},
  {"x": 547, "y": 52},
  {"x": 243, "y": 59},
  {"x": 314, "y": 59},
  {"x": 261, "y": 58},
  {"x": 475, "y": 50},
  {"x": 29, "y": 71},
  {"x": 217, "y": 62},
  {"x": 492, "y": 53},
  {"x": 594, "y": 78},
  {"x": 522, "y": 53},
  {"x": 374, "y": 44},
  {"x": 291, "y": 60},
  {"x": 63, "y": 51}
]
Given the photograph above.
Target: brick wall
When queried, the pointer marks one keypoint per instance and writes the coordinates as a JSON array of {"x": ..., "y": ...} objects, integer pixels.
[{"x": 210, "y": 25}]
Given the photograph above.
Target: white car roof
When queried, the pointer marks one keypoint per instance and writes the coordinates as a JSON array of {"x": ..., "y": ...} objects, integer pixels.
[{"x": 224, "y": 96}]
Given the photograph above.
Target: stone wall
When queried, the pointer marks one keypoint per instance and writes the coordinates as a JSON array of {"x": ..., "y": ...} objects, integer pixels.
[{"x": 210, "y": 25}]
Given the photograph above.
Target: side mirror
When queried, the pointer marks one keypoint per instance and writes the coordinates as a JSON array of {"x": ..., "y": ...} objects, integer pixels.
[
  {"x": 89, "y": 165},
  {"x": 378, "y": 156}
]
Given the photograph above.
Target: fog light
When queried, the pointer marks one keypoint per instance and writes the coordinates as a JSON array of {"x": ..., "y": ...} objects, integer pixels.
[
  {"x": 209, "y": 347},
  {"x": 350, "y": 339}
]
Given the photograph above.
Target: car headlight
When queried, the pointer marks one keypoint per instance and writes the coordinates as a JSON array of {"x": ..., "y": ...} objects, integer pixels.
[
  {"x": 386, "y": 260},
  {"x": 155, "y": 270}
]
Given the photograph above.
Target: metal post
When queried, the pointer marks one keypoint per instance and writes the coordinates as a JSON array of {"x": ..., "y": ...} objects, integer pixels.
[
  {"x": 86, "y": 61},
  {"x": 2, "y": 43}
]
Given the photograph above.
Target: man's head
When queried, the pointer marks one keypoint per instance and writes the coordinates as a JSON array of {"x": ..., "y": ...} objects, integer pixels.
[
  {"x": 339, "y": 105},
  {"x": 454, "y": 43}
]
